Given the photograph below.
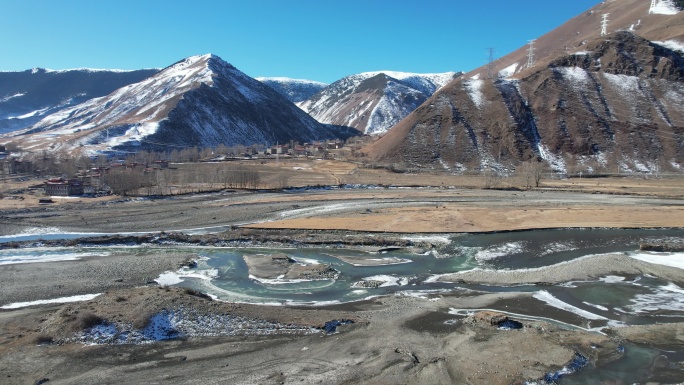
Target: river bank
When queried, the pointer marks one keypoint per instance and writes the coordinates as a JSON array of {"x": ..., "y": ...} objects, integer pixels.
[
  {"x": 412, "y": 210},
  {"x": 403, "y": 336},
  {"x": 393, "y": 339}
]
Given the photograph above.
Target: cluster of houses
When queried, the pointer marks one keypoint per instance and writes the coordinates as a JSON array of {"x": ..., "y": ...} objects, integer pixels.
[
  {"x": 306, "y": 149},
  {"x": 293, "y": 149},
  {"x": 92, "y": 181}
]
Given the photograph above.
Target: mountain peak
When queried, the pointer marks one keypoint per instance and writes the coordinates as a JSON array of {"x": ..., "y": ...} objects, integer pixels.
[
  {"x": 372, "y": 102},
  {"x": 195, "y": 61},
  {"x": 200, "y": 100}
]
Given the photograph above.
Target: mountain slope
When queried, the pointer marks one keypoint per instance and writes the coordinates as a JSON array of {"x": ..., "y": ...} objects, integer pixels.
[
  {"x": 295, "y": 90},
  {"x": 28, "y": 96},
  {"x": 199, "y": 101},
  {"x": 589, "y": 102},
  {"x": 372, "y": 102}
]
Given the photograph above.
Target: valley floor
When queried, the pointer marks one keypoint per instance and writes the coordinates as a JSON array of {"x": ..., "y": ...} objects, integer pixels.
[{"x": 394, "y": 339}]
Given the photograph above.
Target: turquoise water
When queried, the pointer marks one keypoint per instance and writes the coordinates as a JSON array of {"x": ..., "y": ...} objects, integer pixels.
[{"x": 627, "y": 300}]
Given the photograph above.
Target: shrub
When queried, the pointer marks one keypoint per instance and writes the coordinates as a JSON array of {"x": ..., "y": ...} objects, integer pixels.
[
  {"x": 43, "y": 339},
  {"x": 142, "y": 319},
  {"x": 87, "y": 320},
  {"x": 196, "y": 293}
]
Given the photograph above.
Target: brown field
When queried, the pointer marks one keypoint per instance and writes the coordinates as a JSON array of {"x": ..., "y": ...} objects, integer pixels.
[
  {"x": 453, "y": 218},
  {"x": 440, "y": 203}
]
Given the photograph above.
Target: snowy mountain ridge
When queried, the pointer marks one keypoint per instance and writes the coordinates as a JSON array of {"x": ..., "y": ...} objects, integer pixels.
[
  {"x": 201, "y": 100},
  {"x": 372, "y": 102},
  {"x": 295, "y": 90},
  {"x": 36, "y": 70},
  {"x": 437, "y": 80},
  {"x": 28, "y": 96}
]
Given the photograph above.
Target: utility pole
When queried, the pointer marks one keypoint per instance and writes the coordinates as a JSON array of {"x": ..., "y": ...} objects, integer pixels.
[
  {"x": 530, "y": 53},
  {"x": 490, "y": 63},
  {"x": 653, "y": 5},
  {"x": 604, "y": 24}
]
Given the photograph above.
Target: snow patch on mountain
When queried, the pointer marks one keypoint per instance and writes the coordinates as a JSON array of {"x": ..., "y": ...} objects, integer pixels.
[
  {"x": 674, "y": 45},
  {"x": 577, "y": 76},
  {"x": 556, "y": 162},
  {"x": 295, "y": 90},
  {"x": 665, "y": 7},
  {"x": 508, "y": 71},
  {"x": 623, "y": 83},
  {"x": 7, "y": 98},
  {"x": 474, "y": 88},
  {"x": 134, "y": 134},
  {"x": 391, "y": 109}
]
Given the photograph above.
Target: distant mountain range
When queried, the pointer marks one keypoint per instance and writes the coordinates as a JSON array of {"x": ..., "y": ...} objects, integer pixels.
[
  {"x": 587, "y": 102},
  {"x": 373, "y": 102},
  {"x": 581, "y": 101},
  {"x": 199, "y": 101},
  {"x": 27, "y": 97},
  {"x": 295, "y": 90}
]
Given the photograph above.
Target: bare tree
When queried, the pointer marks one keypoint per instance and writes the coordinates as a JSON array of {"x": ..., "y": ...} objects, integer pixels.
[
  {"x": 123, "y": 182},
  {"x": 491, "y": 178},
  {"x": 279, "y": 181},
  {"x": 531, "y": 172}
]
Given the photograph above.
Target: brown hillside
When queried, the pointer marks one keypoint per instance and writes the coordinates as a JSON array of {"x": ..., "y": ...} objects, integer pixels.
[{"x": 588, "y": 102}]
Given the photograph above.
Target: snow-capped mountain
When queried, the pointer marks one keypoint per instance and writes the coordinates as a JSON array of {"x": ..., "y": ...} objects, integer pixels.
[
  {"x": 372, "y": 102},
  {"x": 199, "y": 101},
  {"x": 588, "y": 102},
  {"x": 295, "y": 90},
  {"x": 28, "y": 96}
]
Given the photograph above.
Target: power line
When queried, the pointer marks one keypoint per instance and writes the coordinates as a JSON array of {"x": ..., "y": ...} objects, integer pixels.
[
  {"x": 490, "y": 63},
  {"x": 604, "y": 24},
  {"x": 530, "y": 53}
]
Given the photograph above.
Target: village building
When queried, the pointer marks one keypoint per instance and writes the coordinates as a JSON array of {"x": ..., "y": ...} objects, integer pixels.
[
  {"x": 62, "y": 187},
  {"x": 8, "y": 167},
  {"x": 161, "y": 164}
]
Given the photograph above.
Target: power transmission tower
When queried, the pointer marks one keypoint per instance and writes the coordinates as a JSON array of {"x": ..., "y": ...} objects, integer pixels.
[
  {"x": 653, "y": 5},
  {"x": 604, "y": 24},
  {"x": 490, "y": 63},
  {"x": 530, "y": 53}
]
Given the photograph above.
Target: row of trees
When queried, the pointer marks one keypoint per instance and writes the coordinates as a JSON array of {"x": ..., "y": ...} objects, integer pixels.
[
  {"x": 529, "y": 174},
  {"x": 125, "y": 181}
]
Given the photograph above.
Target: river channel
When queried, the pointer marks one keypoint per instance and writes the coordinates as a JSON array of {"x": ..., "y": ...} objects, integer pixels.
[{"x": 608, "y": 300}]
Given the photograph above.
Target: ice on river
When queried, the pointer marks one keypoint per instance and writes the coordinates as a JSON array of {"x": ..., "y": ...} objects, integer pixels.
[{"x": 550, "y": 300}]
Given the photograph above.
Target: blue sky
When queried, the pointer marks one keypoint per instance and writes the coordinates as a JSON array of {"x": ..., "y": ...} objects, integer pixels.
[{"x": 308, "y": 39}]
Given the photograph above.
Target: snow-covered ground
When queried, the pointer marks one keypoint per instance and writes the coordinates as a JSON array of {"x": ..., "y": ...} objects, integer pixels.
[
  {"x": 74, "y": 298},
  {"x": 184, "y": 322},
  {"x": 665, "y": 259}
]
